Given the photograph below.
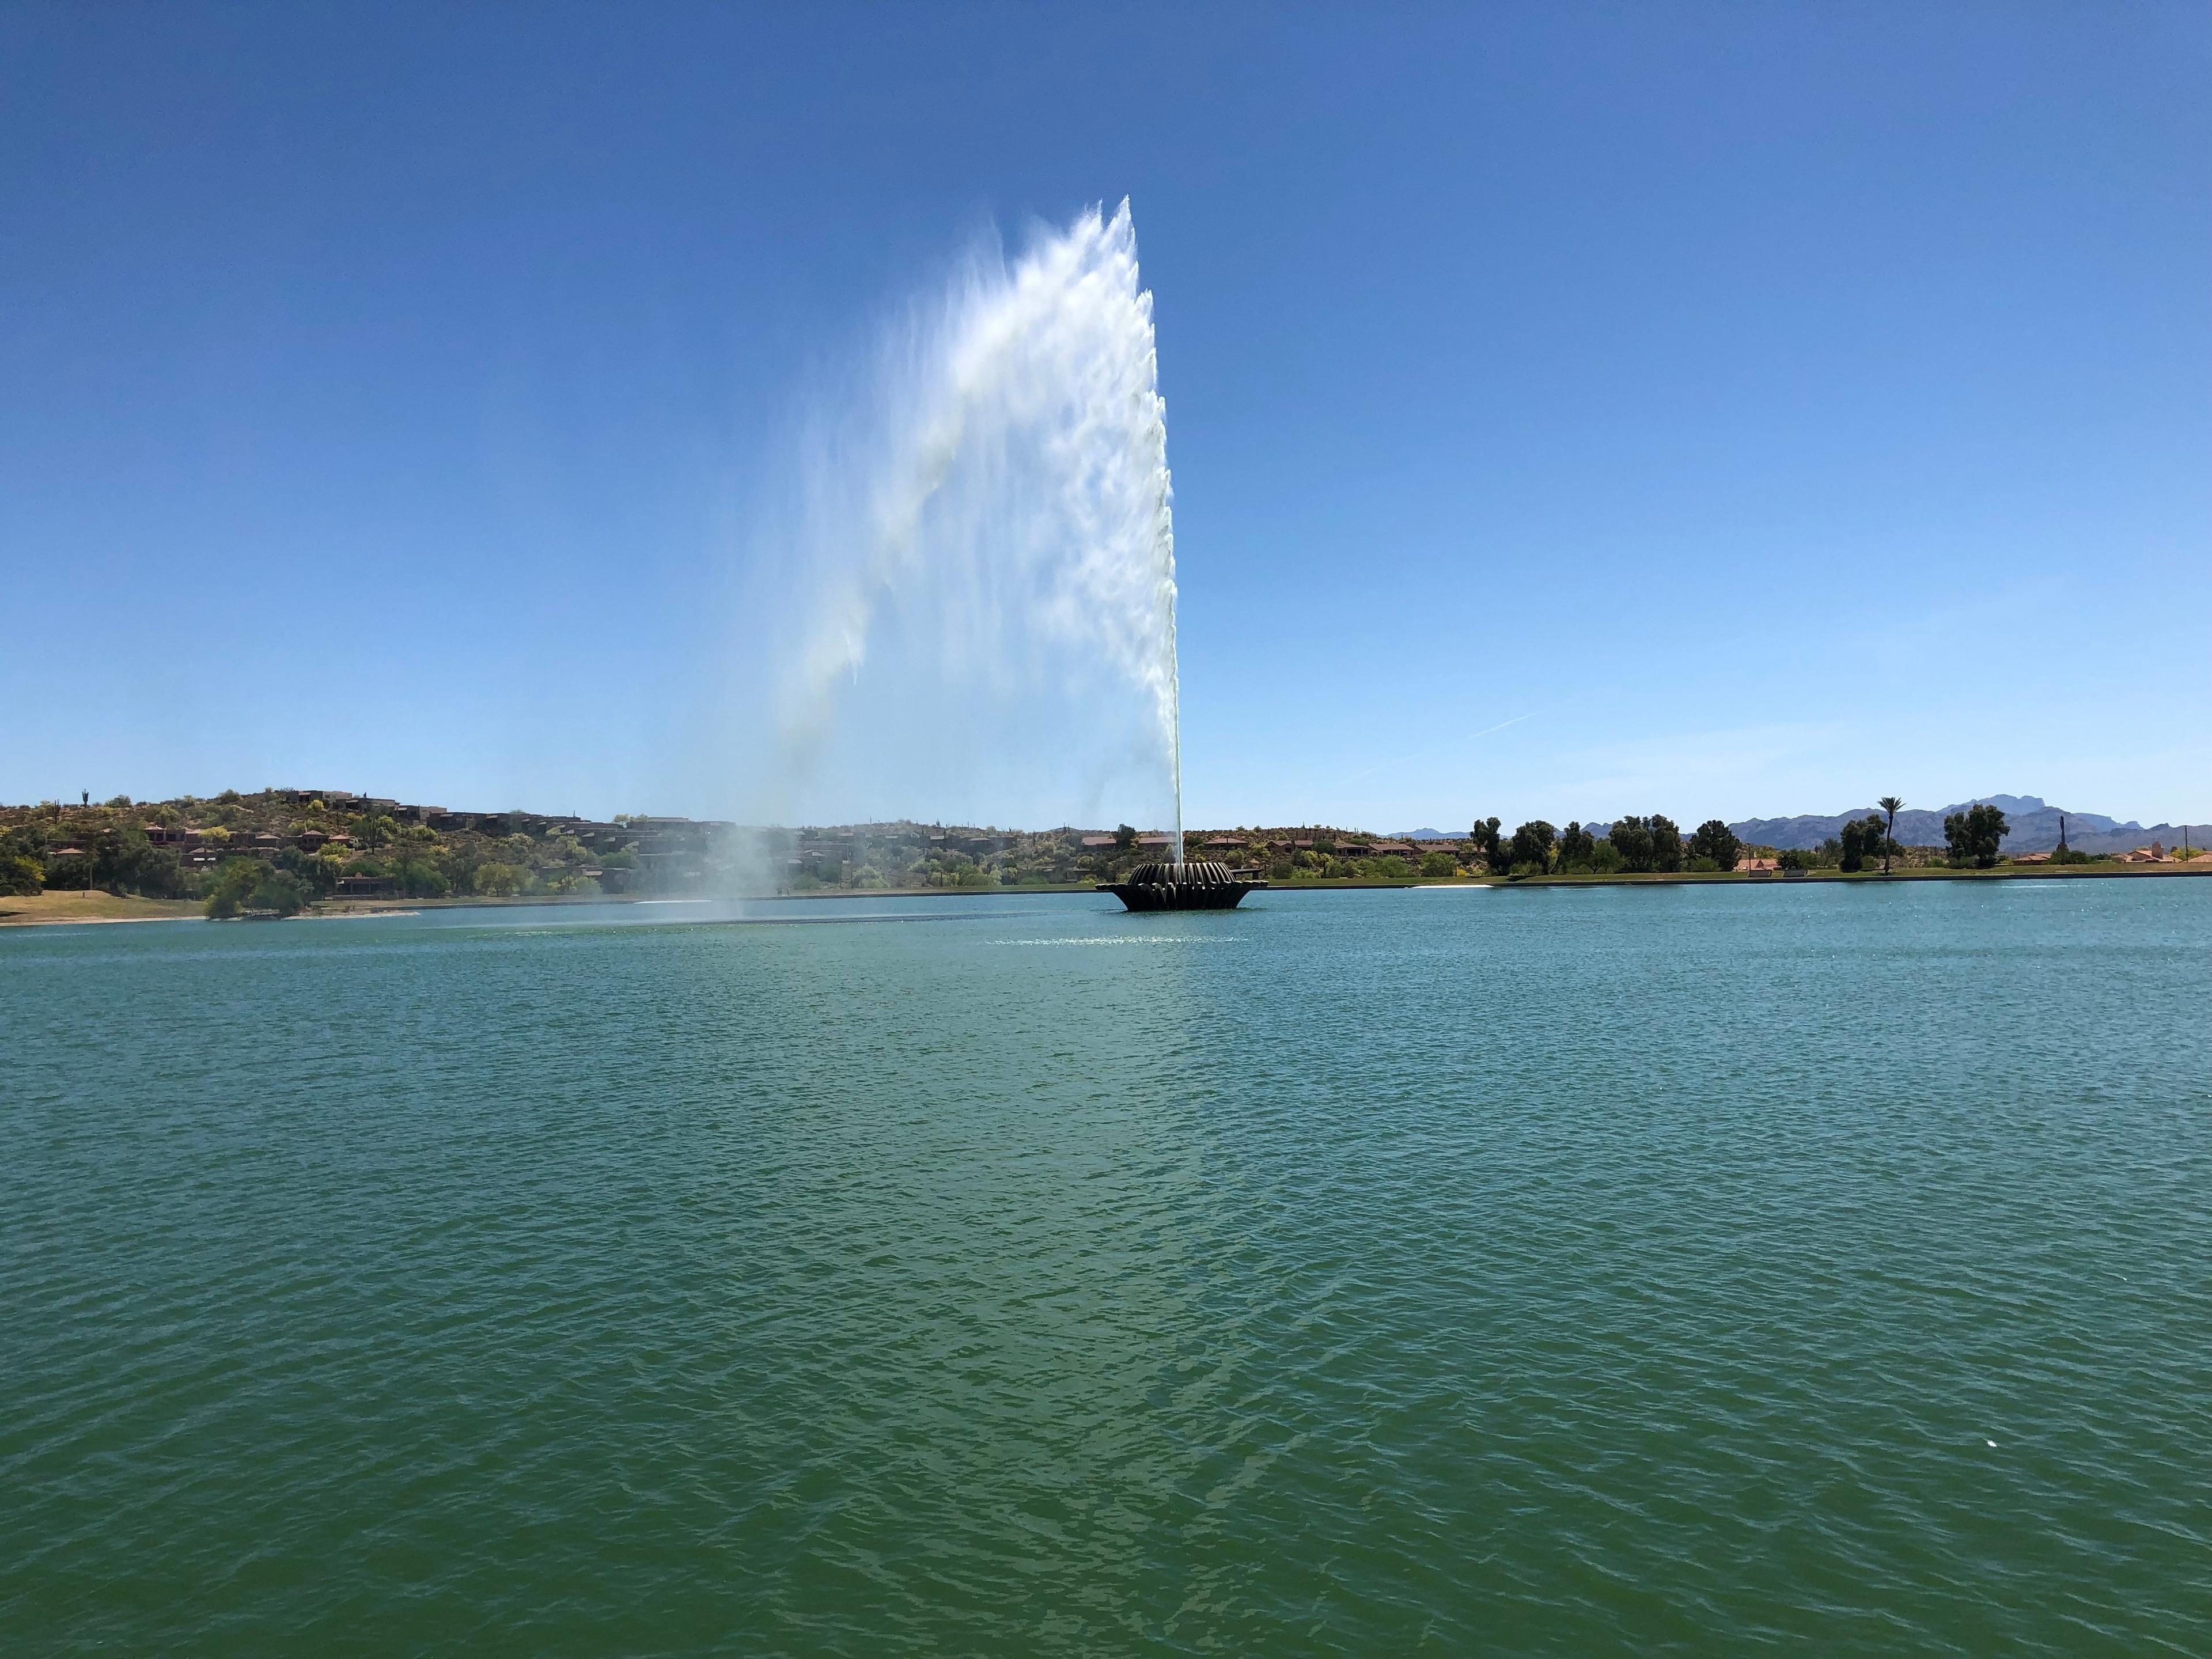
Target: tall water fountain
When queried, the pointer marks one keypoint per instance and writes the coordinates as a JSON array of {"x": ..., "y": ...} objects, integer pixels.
[{"x": 986, "y": 552}]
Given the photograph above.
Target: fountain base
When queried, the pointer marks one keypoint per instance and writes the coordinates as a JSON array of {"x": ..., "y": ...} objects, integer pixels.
[{"x": 1202, "y": 884}]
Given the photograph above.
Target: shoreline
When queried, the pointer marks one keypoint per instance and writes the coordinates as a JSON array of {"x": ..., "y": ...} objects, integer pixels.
[
  {"x": 1728, "y": 878},
  {"x": 142, "y": 910}
]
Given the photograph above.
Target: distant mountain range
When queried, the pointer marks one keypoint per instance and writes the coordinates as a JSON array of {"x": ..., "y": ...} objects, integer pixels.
[{"x": 2033, "y": 828}]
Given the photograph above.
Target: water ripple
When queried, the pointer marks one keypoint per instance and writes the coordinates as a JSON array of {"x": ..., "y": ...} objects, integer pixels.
[{"x": 1618, "y": 1271}]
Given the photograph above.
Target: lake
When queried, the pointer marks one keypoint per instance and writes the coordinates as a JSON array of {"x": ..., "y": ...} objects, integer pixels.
[{"x": 1610, "y": 1270}]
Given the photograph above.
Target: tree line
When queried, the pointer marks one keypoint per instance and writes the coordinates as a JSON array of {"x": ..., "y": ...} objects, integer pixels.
[
  {"x": 1655, "y": 845},
  {"x": 1971, "y": 839},
  {"x": 1635, "y": 845}
]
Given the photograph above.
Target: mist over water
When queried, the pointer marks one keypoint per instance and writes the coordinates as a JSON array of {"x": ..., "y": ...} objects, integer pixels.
[{"x": 974, "y": 585}]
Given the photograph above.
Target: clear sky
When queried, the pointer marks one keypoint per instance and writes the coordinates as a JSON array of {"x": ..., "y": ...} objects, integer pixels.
[{"x": 1762, "y": 408}]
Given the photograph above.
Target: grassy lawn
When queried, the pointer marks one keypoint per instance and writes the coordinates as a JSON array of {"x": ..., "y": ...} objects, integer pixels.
[{"x": 91, "y": 907}]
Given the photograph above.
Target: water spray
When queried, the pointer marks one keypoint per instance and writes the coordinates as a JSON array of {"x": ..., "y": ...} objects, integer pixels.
[{"x": 983, "y": 557}]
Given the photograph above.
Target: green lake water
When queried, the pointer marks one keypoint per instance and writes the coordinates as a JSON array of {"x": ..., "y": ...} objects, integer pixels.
[{"x": 1578, "y": 1272}]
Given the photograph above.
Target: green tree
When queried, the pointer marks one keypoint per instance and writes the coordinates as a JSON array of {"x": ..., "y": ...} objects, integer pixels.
[
  {"x": 420, "y": 878},
  {"x": 1486, "y": 846},
  {"x": 498, "y": 880},
  {"x": 1531, "y": 850},
  {"x": 1714, "y": 840},
  {"x": 124, "y": 861},
  {"x": 1577, "y": 844},
  {"x": 1854, "y": 846},
  {"x": 279, "y": 892},
  {"x": 379, "y": 830},
  {"x": 1125, "y": 836},
  {"x": 1666, "y": 843},
  {"x": 244, "y": 885},
  {"x": 1439, "y": 864},
  {"x": 21, "y": 876},
  {"x": 1862, "y": 839},
  {"x": 233, "y": 880},
  {"x": 1632, "y": 839},
  {"x": 1975, "y": 834},
  {"x": 68, "y": 874},
  {"x": 1892, "y": 805}
]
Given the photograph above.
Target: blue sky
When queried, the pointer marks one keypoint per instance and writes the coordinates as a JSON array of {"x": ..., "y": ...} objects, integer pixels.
[{"x": 1760, "y": 408}]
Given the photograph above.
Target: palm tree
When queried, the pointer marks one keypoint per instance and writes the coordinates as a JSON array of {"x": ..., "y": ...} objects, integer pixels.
[{"x": 1893, "y": 805}]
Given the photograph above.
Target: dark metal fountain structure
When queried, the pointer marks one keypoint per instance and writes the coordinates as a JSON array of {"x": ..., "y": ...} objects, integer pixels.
[{"x": 1201, "y": 885}]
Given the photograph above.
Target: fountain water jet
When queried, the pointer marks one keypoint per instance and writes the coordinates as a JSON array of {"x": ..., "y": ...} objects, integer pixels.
[{"x": 984, "y": 556}]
